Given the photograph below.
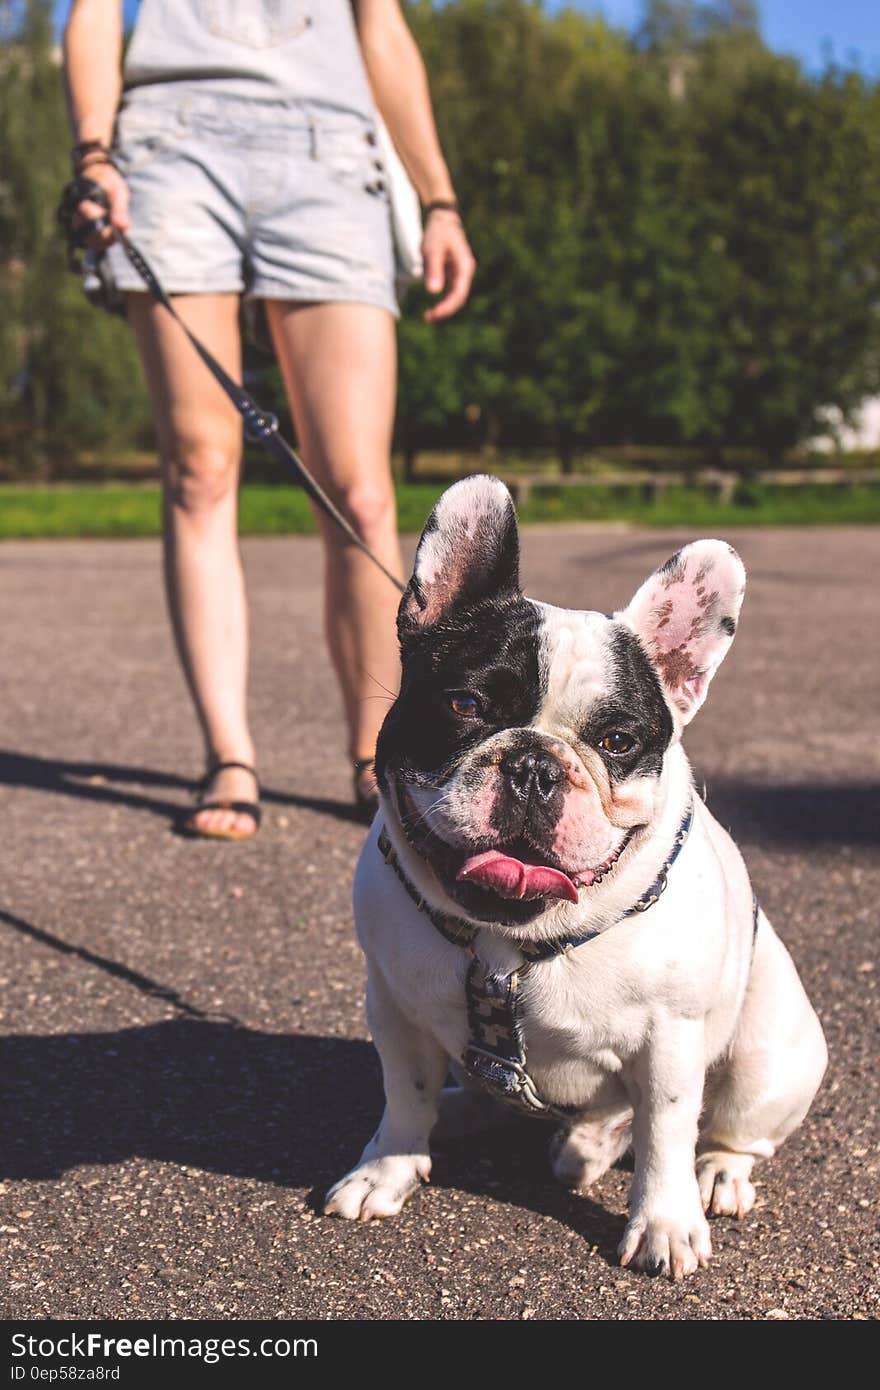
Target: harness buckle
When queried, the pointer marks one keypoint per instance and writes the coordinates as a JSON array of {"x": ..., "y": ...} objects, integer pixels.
[{"x": 504, "y": 1076}]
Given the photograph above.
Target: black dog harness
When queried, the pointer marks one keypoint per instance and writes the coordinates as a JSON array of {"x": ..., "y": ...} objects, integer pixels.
[{"x": 495, "y": 1055}]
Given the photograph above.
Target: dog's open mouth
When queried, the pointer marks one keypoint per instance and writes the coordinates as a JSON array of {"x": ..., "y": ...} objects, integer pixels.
[
  {"x": 517, "y": 872},
  {"x": 512, "y": 877},
  {"x": 509, "y": 877}
]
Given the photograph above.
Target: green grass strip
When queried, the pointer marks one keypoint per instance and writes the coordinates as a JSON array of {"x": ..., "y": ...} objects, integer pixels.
[{"x": 121, "y": 512}]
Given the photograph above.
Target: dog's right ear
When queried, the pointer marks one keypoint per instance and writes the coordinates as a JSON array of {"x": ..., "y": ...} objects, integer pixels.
[{"x": 469, "y": 550}]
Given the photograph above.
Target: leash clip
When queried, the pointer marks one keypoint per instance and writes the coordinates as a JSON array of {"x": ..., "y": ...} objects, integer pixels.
[{"x": 260, "y": 425}]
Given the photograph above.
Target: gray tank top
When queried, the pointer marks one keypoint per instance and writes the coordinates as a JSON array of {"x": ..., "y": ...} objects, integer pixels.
[{"x": 275, "y": 50}]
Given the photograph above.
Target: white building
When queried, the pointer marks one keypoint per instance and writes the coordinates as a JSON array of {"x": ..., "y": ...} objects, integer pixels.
[{"x": 865, "y": 434}]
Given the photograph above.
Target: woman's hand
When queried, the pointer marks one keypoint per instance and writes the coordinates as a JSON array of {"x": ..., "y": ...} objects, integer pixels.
[
  {"x": 449, "y": 263},
  {"x": 115, "y": 187}
]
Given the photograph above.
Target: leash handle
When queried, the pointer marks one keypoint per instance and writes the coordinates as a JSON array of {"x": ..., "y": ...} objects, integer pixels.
[{"x": 76, "y": 228}]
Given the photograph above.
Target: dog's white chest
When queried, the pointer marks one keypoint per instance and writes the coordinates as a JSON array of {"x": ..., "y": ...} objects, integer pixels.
[
  {"x": 569, "y": 1011},
  {"x": 583, "y": 1016}
]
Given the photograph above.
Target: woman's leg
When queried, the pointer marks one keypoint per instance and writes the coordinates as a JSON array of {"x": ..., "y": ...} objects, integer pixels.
[
  {"x": 339, "y": 363},
  {"x": 200, "y": 444}
]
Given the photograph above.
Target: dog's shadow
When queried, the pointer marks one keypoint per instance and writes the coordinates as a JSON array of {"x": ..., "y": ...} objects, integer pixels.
[{"x": 291, "y": 1110}]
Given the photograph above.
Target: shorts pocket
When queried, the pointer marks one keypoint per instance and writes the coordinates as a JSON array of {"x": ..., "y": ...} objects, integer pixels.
[
  {"x": 257, "y": 24},
  {"x": 135, "y": 150},
  {"x": 354, "y": 162}
]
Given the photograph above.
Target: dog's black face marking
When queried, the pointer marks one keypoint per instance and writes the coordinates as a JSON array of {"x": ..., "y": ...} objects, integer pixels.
[
  {"x": 635, "y": 705},
  {"x": 728, "y": 625},
  {"x": 490, "y": 651}
]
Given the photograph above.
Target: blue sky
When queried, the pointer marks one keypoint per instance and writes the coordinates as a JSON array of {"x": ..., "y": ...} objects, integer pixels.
[{"x": 802, "y": 27}]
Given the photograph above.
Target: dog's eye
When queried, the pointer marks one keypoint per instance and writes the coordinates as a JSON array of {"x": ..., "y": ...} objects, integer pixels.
[
  {"x": 463, "y": 704},
  {"x": 617, "y": 742}
]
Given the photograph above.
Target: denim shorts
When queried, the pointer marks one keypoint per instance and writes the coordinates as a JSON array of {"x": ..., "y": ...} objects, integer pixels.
[{"x": 269, "y": 199}]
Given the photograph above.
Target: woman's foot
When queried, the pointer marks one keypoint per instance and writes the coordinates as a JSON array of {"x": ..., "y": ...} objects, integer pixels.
[{"x": 228, "y": 803}]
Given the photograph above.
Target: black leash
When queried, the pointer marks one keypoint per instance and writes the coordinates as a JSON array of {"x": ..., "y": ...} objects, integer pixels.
[{"x": 260, "y": 426}]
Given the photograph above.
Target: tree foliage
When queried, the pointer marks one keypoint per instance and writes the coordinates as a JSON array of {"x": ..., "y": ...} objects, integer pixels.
[
  {"x": 69, "y": 377},
  {"x": 676, "y": 235},
  {"x": 667, "y": 254}
]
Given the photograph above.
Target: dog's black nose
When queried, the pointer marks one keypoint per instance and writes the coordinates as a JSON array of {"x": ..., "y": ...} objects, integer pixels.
[{"x": 530, "y": 770}]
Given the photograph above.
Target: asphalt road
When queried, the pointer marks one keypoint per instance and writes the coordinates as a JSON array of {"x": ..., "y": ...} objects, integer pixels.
[{"x": 183, "y": 1051}]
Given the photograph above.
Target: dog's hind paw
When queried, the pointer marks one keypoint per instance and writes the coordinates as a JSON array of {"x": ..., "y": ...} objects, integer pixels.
[
  {"x": 725, "y": 1189},
  {"x": 583, "y": 1153},
  {"x": 378, "y": 1187}
]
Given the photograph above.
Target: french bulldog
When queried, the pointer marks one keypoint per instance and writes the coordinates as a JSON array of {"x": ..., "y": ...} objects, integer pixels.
[{"x": 547, "y": 907}]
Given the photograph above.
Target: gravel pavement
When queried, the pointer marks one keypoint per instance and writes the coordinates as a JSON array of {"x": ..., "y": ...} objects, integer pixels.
[{"x": 182, "y": 1044}]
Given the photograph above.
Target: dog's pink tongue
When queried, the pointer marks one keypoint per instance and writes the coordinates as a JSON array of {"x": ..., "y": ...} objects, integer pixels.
[{"x": 512, "y": 879}]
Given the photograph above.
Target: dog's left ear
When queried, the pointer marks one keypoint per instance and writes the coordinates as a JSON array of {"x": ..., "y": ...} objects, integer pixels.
[
  {"x": 685, "y": 616},
  {"x": 469, "y": 550}
]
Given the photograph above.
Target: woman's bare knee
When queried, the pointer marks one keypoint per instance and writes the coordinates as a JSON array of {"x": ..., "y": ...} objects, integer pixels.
[
  {"x": 370, "y": 507},
  {"x": 199, "y": 477}
]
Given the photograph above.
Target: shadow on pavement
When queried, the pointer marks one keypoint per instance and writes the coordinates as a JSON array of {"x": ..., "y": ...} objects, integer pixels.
[
  {"x": 206, "y": 1091},
  {"x": 796, "y": 815},
  {"x": 213, "y": 1095},
  {"x": 143, "y": 983},
  {"x": 94, "y": 781},
  {"x": 291, "y": 1110}
]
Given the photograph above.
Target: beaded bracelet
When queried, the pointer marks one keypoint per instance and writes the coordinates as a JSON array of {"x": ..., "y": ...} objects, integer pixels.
[
  {"x": 87, "y": 163},
  {"x": 79, "y": 155}
]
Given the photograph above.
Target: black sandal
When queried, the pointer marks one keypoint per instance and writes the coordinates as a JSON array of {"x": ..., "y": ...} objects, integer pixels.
[
  {"x": 242, "y": 808},
  {"x": 367, "y": 803}
]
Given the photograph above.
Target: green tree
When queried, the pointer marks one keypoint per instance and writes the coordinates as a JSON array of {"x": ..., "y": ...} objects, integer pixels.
[
  {"x": 685, "y": 261},
  {"x": 676, "y": 235},
  {"x": 69, "y": 376}
]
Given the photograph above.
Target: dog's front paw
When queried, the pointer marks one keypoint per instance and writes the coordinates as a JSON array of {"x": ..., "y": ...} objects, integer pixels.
[
  {"x": 378, "y": 1187},
  {"x": 661, "y": 1245}
]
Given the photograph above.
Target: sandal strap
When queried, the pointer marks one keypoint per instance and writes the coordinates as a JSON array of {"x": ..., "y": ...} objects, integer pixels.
[
  {"x": 241, "y": 808},
  {"x": 214, "y": 768},
  {"x": 245, "y": 767}
]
